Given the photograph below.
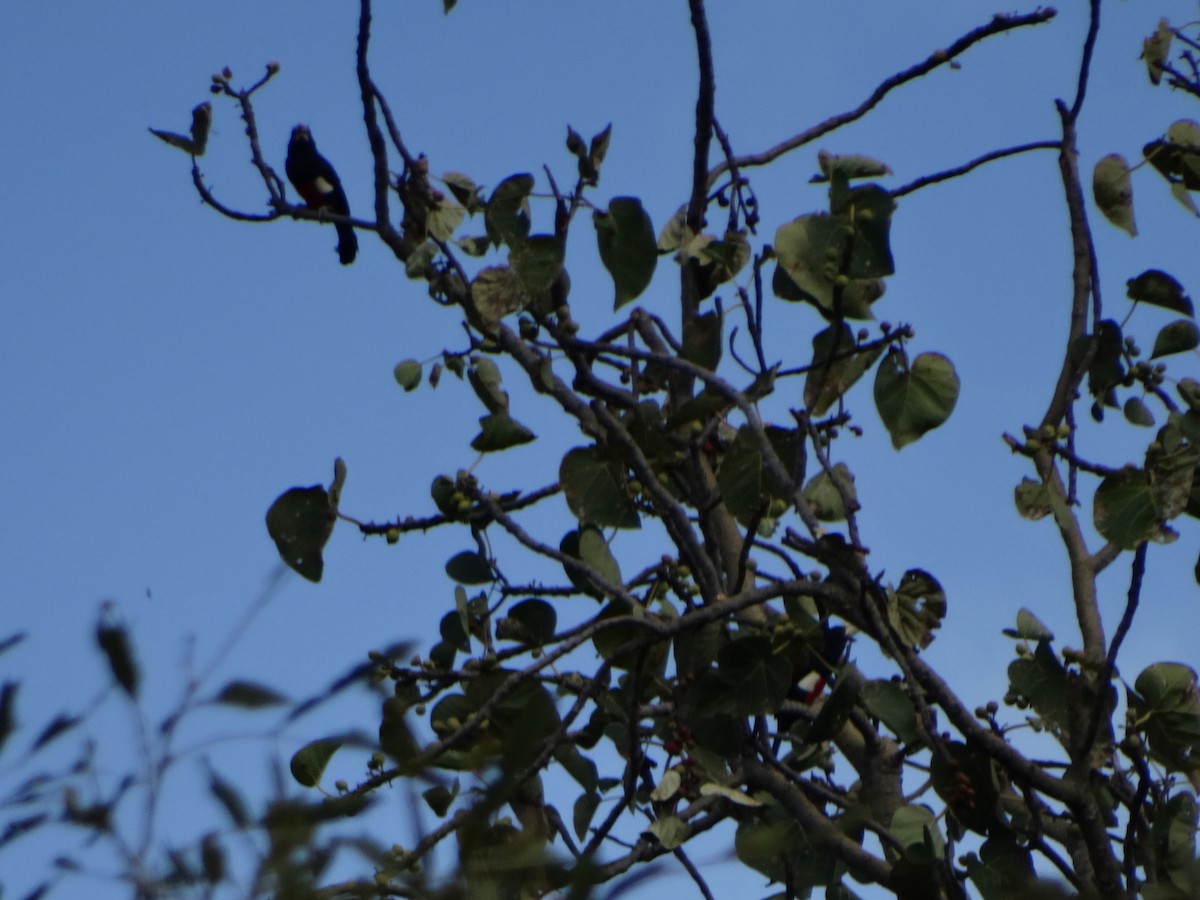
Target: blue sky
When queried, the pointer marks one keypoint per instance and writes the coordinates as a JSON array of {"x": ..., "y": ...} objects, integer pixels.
[{"x": 167, "y": 372}]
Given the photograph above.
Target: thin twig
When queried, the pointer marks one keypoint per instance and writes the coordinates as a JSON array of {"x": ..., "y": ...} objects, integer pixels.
[
  {"x": 978, "y": 161},
  {"x": 999, "y": 24}
]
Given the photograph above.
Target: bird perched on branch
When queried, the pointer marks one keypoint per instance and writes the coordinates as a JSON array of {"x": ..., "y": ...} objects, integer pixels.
[{"x": 316, "y": 181}]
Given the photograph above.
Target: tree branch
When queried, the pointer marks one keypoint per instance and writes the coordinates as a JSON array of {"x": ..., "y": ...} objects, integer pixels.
[
  {"x": 926, "y": 180},
  {"x": 999, "y": 24}
]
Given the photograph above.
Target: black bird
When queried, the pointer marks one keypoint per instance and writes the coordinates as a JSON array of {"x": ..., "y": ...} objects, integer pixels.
[{"x": 316, "y": 181}]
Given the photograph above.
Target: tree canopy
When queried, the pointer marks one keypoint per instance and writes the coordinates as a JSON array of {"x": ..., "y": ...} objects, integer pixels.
[{"x": 669, "y": 624}]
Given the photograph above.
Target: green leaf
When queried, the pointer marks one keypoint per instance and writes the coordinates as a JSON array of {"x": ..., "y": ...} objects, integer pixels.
[
  {"x": 537, "y": 262},
  {"x": 597, "y": 492},
  {"x": 741, "y": 476},
  {"x": 395, "y": 737},
  {"x": 1189, "y": 392},
  {"x": 1033, "y": 499},
  {"x": 890, "y": 703},
  {"x": 836, "y": 366},
  {"x": 1168, "y": 687},
  {"x": 628, "y": 249},
  {"x": 1124, "y": 510},
  {"x": 1166, "y": 702},
  {"x": 8, "y": 705},
  {"x": 1042, "y": 680},
  {"x": 578, "y": 766},
  {"x": 780, "y": 850},
  {"x": 598, "y": 149},
  {"x": 462, "y": 608},
  {"x": 741, "y": 798},
  {"x": 249, "y": 695},
  {"x": 470, "y": 567},
  {"x": 530, "y": 622},
  {"x": 474, "y": 245},
  {"x": 1156, "y": 49},
  {"x": 443, "y": 219},
  {"x": 1184, "y": 133},
  {"x": 609, "y": 641},
  {"x": 498, "y": 291},
  {"x": 823, "y": 495},
  {"x": 583, "y": 812},
  {"x": 300, "y": 522},
  {"x": 671, "y": 831},
  {"x": 809, "y": 250},
  {"x": 869, "y": 209},
  {"x": 113, "y": 640},
  {"x": 1179, "y": 336},
  {"x": 1113, "y": 191},
  {"x": 499, "y": 431},
  {"x": 196, "y": 143},
  {"x": 416, "y": 264},
  {"x": 1105, "y": 370},
  {"x": 408, "y": 374},
  {"x": 728, "y": 256},
  {"x": 309, "y": 762},
  {"x": 507, "y": 214},
  {"x": 465, "y": 191},
  {"x": 702, "y": 340},
  {"x": 919, "y": 608},
  {"x": 1029, "y": 627},
  {"x": 229, "y": 798},
  {"x": 449, "y": 497},
  {"x": 525, "y": 716},
  {"x": 857, "y": 297},
  {"x": 758, "y": 677},
  {"x": 696, "y": 648},
  {"x": 667, "y": 786},
  {"x": 1138, "y": 413},
  {"x": 916, "y": 829},
  {"x": 1003, "y": 870},
  {"x": 1159, "y": 289},
  {"x": 1170, "y": 467},
  {"x": 575, "y": 144},
  {"x": 484, "y": 376},
  {"x": 1180, "y": 192},
  {"x": 675, "y": 234},
  {"x": 850, "y": 166},
  {"x": 438, "y": 798},
  {"x": 1174, "y": 834},
  {"x": 587, "y": 544},
  {"x": 913, "y": 399}
]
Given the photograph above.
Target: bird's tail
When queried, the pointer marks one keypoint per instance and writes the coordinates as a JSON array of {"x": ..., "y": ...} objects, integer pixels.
[{"x": 347, "y": 247}]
